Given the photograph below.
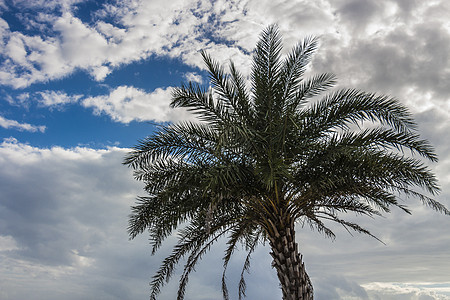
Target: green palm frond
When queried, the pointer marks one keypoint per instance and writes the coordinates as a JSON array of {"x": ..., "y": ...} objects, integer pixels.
[
  {"x": 351, "y": 106},
  {"x": 266, "y": 70},
  {"x": 294, "y": 67}
]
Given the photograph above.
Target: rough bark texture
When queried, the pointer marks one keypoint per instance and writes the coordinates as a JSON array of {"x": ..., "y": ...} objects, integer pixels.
[{"x": 295, "y": 283}]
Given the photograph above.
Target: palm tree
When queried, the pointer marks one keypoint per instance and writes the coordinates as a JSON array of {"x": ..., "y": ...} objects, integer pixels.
[{"x": 262, "y": 159}]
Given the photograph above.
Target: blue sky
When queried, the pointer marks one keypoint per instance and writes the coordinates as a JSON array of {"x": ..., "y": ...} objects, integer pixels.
[{"x": 81, "y": 81}]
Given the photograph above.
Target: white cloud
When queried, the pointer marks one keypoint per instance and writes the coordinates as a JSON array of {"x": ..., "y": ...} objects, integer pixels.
[
  {"x": 7, "y": 243},
  {"x": 125, "y": 104},
  {"x": 19, "y": 100},
  {"x": 31, "y": 59},
  {"x": 4, "y": 31},
  {"x": 420, "y": 291},
  {"x": 6, "y": 123},
  {"x": 15, "y": 50},
  {"x": 23, "y": 97},
  {"x": 56, "y": 98},
  {"x": 45, "y": 98},
  {"x": 194, "y": 77},
  {"x": 175, "y": 30},
  {"x": 99, "y": 72},
  {"x": 80, "y": 45}
]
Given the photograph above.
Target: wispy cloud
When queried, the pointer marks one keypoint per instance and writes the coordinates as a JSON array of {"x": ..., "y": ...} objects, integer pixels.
[
  {"x": 56, "y": 98},
  {"x": 6, "y": 123},
  {"x": 422, "y": 291}
]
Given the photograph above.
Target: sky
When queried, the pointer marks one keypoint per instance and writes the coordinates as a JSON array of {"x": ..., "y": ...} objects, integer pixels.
[{"x": 81, "y": 81}]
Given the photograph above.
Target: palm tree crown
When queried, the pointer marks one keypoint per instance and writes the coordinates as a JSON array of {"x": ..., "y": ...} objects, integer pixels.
[{"x": 261, "y": 159}]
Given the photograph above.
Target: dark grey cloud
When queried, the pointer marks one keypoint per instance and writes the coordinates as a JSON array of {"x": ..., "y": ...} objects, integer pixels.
[
  {"x": 67, "y": 211},
  {"x": 408, "y": 59},
  {"x": 358, "y": 14},
  {"x": 332, "y": 287}
]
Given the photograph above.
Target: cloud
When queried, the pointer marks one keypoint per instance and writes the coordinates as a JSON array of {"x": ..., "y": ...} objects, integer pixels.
[
  {"x": 56, "y": 98},
  {"x": 63, "y": 224},
  {"x": 29, "y": 59},
  {"x": 21, "y": 100},
  {"x": 420, "y": 291},
  {"x": 7, "y": 243},
  {"x": 193, "y": 77},
  {"x": 47, "y": 4},
  {"x": 335, "y": 287},
  {"x": 177, "y": 30},
  {"x": 81, "y": 45},
  {"x": 46, "y": 98},
  {"x": 6, "y": 123},
  {"x": 391, "y": 50},
  {"x": 125, "y": 104}
]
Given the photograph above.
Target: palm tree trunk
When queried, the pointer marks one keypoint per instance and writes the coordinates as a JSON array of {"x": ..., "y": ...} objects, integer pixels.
[{"x": 295, "y": 283}]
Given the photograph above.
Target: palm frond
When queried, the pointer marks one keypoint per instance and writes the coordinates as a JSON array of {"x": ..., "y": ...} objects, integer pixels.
[
  {"x": 201, "y": 102},
  {"x": 313, "y": 86},
  {"x": 350, "y": 106},
  {"x": 246, "y": 266},
  {"x": 294, "y": 66},
  {"x": 266, "y": 70}
]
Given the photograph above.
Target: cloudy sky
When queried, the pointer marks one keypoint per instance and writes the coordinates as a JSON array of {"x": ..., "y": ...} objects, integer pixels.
[{"x": 82, "y": 80}]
